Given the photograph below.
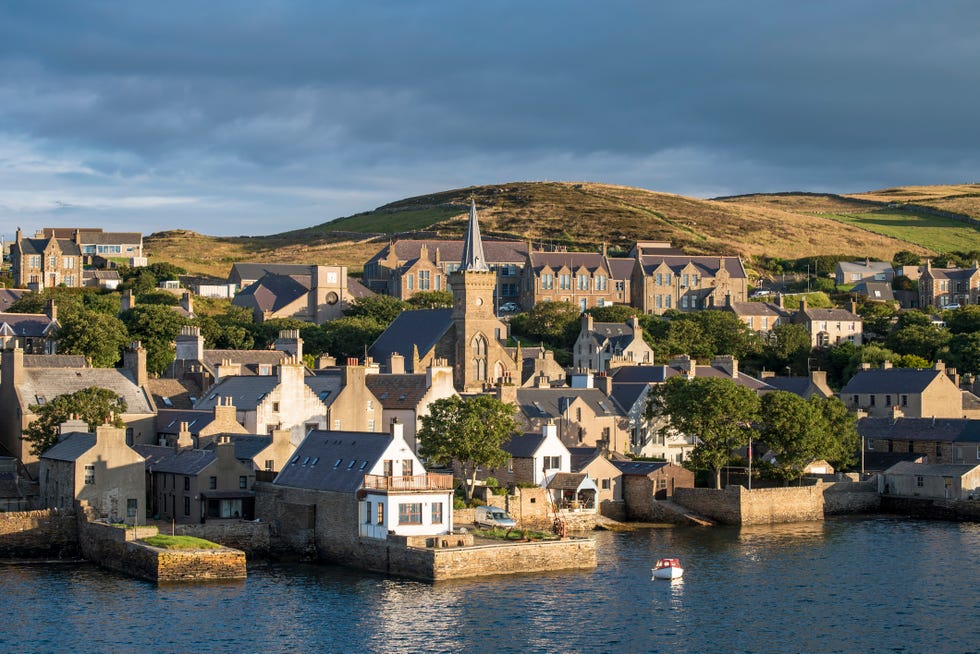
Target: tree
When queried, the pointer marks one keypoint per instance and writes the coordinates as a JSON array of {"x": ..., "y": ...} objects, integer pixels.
[
  {"x": 964, "y": 320},
  {"x": 613, "y": 313},
  {"x": 97, "y": 336},
  {"x": 556, "y": 323},
  {"x": 787, "y": 345},
  {"x": 156, "y": 327},
  {"x": 925, "y": 341},
  {"x": 905, "y": 258},
  {"x": 468, "y": 431},
  {"x": 964, "y": 352},
  {"x": 94, "y": 405},
  {"x": 383, "y": 308},
  {"x": 716, "y": 411},
  {"x": 842, "y": 443},
  {"x": 431, "y": 300},
  {"x": 350, "y": 336}
]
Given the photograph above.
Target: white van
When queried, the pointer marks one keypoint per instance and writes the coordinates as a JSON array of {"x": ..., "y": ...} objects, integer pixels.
[{"x": 491, "y": 516}]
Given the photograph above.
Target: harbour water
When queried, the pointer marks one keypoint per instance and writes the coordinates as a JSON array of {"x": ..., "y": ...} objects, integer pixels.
[{"x": 845, "y": 585}]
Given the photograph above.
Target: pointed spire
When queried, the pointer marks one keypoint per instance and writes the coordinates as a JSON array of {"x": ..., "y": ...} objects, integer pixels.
[{"x": 473, "y": 258}]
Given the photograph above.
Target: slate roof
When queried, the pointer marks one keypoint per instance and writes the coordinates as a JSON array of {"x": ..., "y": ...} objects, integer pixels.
[
  {"x": 567, "y": 480},
  {"x": 866, "y": 268},
  {"x": 878, "y": 291},
  {"x": 949, "y": 430},
  {"x": 168, "y": 420},
  {"x": 794, "y": 385},
  {"x": 273, "y": 292},
  {"x": 582, "y": 457},
  {"x": 891, "y": 380},
  {"x": 183, "y": 462},
  {"x": 757, "y": 309},
  {"x": 326, "y": 385},
  {"x": 255, "y": 271},
  {"x": 620, "y": 268},
  {"x": 10, "y": 295},
  {"x": 247, "y": 446},
  {"x": 247, "y": 392},
  {"x": 629, "y": 382},
  {"x": 403, "y": 391},
  {"x": 55, "y": 361},
  {"x": 642, "y": 468},
  {"x": 36, "y": 246},
  {"x": 49, "y": 383},
  {"x": 495, "y": 251},
  {"x": 880, "y": 461},
  {"x": 70, "y": 446},
  {"x": 830, "y": 315},
  {"x": 423, "y": 327},
  {"x": 110, "y": 238},
  {"x": 930, "y": 469},
  {"x": 248, "y": 359},
  {"x": 592, "y": 261},
  {"x": 28, "y": 325},
  {"x": 707, "y": 266},
  {"x": 173, "y": 393},
  {"x": 553, "y": 402},
  {"x": 315, "y": 462},
  {"x": 356, "y": 289},
  {"x": 523, "y": 446},
  {"x": 197, "y": 281},
  {"x": 952, "y": 273}
]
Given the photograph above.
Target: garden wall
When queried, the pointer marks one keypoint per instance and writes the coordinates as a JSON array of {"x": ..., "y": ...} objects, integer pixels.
[{"x": 248, "y": 536}]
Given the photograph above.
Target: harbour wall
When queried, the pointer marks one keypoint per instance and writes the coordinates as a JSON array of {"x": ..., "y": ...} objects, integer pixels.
[
  {"x": 48, "y": 533},
  {"x": 247, "y": 536}
]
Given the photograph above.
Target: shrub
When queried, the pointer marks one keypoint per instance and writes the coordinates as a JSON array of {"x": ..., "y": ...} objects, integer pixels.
[
  {"x": 459, "y": 503},
  {"x": 491, "y": 482}
]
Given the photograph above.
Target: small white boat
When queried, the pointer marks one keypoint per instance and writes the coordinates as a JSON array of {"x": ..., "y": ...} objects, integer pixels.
[{"x": 668, "y": 569}]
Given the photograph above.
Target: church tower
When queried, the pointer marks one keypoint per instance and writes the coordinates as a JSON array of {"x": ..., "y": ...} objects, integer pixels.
[{"x": 480, "y": 358}]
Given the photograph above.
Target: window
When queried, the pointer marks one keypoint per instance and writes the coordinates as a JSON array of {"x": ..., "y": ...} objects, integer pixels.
[
  {"x": 270, "y": 465},
  {"x": 660, "y": 301},
  {"x": 661, "y": 484},
  {"x": 547, "y": 282},
  {"x": 69, "y": 262},
  {"x": 605, "y": 484},
  {"x": 370, "y": 405},
  {"x": 552, "y": 462},
  {"x": 920, "y": 482},
  {"x": 187, "y": 505},
  {"x": 564, "y": 281},
  {"x": 52, "y": 262},
  {"x": 381, "y": 513},
  {"x": 582, "y": 282},
  {"x": 856, "y": 399},
  {"x": 407, "y": 468},
  {"x": 242, "y": 482},
  {"x": 667, "y": 301},
  {"x": 939, "y": 449},
  {"x": 388, "y": 468},
  {"x": 410, "y": 514},
  {"x": 35, "y": 261},
  {"x": 601, "y": 282},
  {"x": 620, "y": 286},
  {"x": 905, "y": 400},
  {"x": 660, "y": 279},
  {"x": 423, "y": 280},
  {"x": 132, "y": 504},
  {"x": 871, "y": 400},
  {"x": 90, "y": 474},
  {"x": 888, "y": 400},
  {"x": 371, "y": 425},
  {"x": 684, "y": 280},
  {"x": 337, "y": 424},
  {"x": 367, "y": 513},
  {"x": 213, "y": 483},
  {"x": 187, "y": 483},
  {"x": 410, "y": 282},
  {"x": 437, "y": 513},
  {"x": 275, "y": 407}
]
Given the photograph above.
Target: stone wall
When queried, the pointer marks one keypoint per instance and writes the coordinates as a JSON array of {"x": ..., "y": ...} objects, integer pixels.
[
  {"x": 196, "y": 565},
  {"x": 546, "y": 556},
  {"x": 531, "y": 508},
  {"x": 736, "y": 505},
  {"x": 718, "y": 505},
  {"x": 851, "y": 497},
  {"x": 33, "y": 534},
  {"x": 247, "y": 536},
  {"x": 962, "y": 510}
]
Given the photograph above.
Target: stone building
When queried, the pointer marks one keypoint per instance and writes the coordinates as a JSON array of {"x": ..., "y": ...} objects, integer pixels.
[
  {"x": 602, "y": 346},
  {"x": 943, "y": 287},
  {"x": 35, "y": 333},
  {"x": 534, "y": 458},
  {"x": 584, "y": 279},
  {"x": 100, "y": 469},
  {"x": 645, "y": 482},
  {"x": 933, "y": 440},
  {"x": 45, "y": 262},
  {"x": 889, "y": 392},
  {"x": 317, "y": 295},
  {"x": 829, "y": 326},
  {"x": 663, "y": 279}
]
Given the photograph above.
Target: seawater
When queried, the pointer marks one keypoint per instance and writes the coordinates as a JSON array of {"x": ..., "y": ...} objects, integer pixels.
[{"x": 844, "y": 585}]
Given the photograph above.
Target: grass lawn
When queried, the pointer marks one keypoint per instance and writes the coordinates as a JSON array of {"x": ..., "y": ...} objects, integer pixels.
[
  {"x": 392, "y": 221},
  {"x": 933, "y": 232},
  {"x": 180, "y": 543}
]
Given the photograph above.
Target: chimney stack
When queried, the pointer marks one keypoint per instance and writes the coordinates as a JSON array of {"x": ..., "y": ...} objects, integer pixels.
[{"x": 134, "y": 360}]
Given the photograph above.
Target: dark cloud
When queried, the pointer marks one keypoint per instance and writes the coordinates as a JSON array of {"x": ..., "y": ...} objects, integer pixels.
[{"x": 296, "y": 112}]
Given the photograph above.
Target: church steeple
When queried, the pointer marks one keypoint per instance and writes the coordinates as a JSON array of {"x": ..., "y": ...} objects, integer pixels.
[{"x": 473, "y": 257}]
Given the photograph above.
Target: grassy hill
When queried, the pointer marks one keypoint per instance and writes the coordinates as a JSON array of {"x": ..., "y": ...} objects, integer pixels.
[{"x": 586, "y": 215}]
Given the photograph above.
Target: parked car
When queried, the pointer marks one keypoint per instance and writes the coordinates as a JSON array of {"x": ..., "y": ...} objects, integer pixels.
[
  {"x": 509, "y": 307},
  {"x": 761, "y": 293},
  {"x": 491, "y": 516},
  {"x": 952, "y": 307}
]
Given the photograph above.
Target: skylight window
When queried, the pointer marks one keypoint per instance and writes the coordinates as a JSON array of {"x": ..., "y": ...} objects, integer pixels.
[
  {"x": 351, "y": 464},
  {"x": 337, "y": 464},
  {"x": 363, "y": 465},
  {"x": 315, "y": 459},
  {"x": 306, "y": 460}
]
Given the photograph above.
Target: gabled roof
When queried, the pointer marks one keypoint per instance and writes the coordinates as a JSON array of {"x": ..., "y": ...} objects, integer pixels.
[
  {"x": 327, "y": 385},
  {"x": 247, "y": 392},
  {"x": 333, "y": 460},
  {"x": 402, "y": 391},
  {"x": 39, "y": 385},
  {"x": 878, "y": 291},
  {"x": 10, "y": 295},
  {"x": 514, "y": 252},
  {"x": 55, "y": 361},
  {"x": 36, "y": 246},
  {"x": 554, "y": 402},
  {"x": 830, "y": 315},
  {"x": 25, "y": 325},
  {"x": 173, "y": 393},
  {"x": 707, "y": 266},
  {"x": 524, "y": 446},
  {"x": 620, "y": 268},
  {"x": 248, "y": 359},
  {"x": 568, "y": 481},
  {"x": 629, "y": 382},
  {"x": 356, "y": 289},
  {"x": 272, "y": 292},
  {"x": 951, "y": 273},
  {"x": 865, "y": 267},
  {"x": 423, "y": 328},
  {"x": 582, "y": 457},
  {"x": 891, "y": 380},
  {"x": 109, "y": 238},
  {"x": 794, "y": 385},
  {"x": 642, "y": 468},
  {"x": 931, "y": 469},
  {"x": 182, "y": 462},
  {"x": 947, "y": 430},
  {"x": 247, "y": 446},
  {"x": 757, "y": 309},
  {"x": 591, "y": 261},
  {"x": 168, "y": 421},
  {"x": 70, "y": 446},
  {"x": 255, "y": 271}
]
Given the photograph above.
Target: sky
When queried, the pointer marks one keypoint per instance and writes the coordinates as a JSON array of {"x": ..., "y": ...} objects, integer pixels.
[{"x": 232, "y": 118}]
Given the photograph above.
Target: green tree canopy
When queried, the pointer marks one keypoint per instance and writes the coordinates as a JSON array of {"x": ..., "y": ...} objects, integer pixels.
[
  {"x": 905, "y": 258},
  {"x": 555, "y": 323},
  {"x": 964, "y": 320},
  {"x": 350, "y": 336},
  {"x": 382, "y": 308},
  {"x": 926, "y": 341},
  {"x": 156, "y": 327},
  {"x": 964, "y": 352},
  {"x": 94, "y": 405},
  {"x": 99, "y": 337},
  {"x": 613, "y": 313},
  {"x": 431, "y": 300},
  {"x": 470, "y": 432},
  {"x": 715, "y": 410},
  {"x": 788, "y": 345}
]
